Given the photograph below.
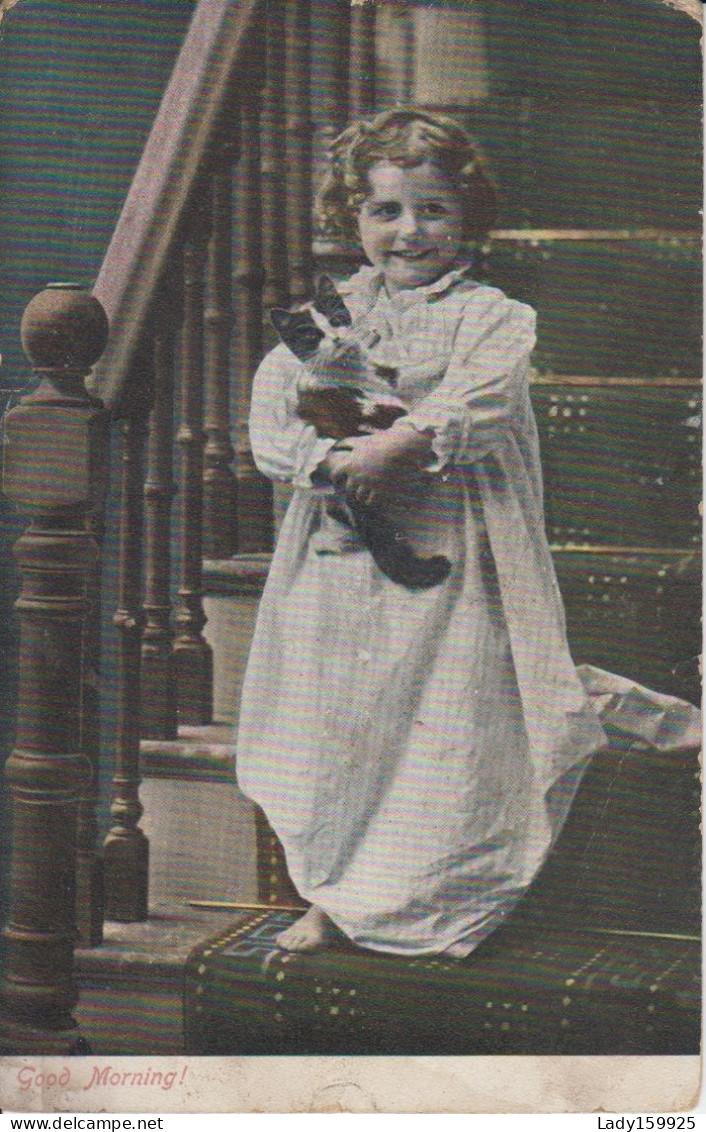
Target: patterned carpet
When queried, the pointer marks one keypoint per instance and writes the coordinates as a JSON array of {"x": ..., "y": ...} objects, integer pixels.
[{"x": 528, "y": 989}]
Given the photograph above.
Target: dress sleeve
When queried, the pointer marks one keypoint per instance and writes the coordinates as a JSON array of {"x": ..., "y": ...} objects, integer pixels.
[
  {"x": 484, "y": 389},
  {"x": 284, "y": 447}
]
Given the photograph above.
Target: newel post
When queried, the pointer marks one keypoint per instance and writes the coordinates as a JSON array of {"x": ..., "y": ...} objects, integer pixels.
[{"x": 54, "y": 469}]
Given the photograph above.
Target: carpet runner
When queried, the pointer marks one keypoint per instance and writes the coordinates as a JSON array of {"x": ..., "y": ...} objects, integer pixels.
[{"x": 529, "y": 989}]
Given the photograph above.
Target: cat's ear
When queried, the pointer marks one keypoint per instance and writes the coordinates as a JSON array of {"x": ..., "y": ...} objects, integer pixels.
[
  {"x": 329, "y": 303},
  {"x": 280, "y": 319},
  {"x": 298, "y": 331}
]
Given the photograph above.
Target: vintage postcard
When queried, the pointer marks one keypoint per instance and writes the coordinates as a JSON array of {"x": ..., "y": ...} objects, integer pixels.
[{"x": 351, "y": 366}]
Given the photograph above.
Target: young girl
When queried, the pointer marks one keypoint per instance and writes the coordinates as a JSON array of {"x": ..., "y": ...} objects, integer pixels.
[{"x": 416, "y": 751}]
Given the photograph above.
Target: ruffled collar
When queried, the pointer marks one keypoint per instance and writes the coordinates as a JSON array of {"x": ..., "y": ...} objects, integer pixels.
[{"x": 368, "y": 284}]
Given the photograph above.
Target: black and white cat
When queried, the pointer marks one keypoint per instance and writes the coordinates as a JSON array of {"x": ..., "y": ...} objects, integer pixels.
[{"x": 347, "y": 391}]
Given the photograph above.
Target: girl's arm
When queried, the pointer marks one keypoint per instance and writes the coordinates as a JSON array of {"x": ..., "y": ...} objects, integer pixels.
[
  {"x": 481, "y": 396},
  {"x": 484, "y": 390},
  {"x": 369, "y": 466},
  {"x": 284, "y": 446}
]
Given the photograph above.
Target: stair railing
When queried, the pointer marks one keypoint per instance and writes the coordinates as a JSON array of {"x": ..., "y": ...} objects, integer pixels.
[{"x": 215, "y": 228}]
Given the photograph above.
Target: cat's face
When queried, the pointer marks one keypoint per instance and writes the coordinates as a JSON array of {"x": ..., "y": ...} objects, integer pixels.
[
  {"x": 298, "y": 331},
  {"x": 411, "y": 224},
  {"x": 317, "y": 331}
]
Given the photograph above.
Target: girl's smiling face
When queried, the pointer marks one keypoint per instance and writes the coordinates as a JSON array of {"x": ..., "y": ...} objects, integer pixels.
[{"x": 411, "y": 224}]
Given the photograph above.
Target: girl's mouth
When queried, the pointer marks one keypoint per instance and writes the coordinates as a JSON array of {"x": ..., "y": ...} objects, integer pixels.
[{"x": 413, "y": 254}]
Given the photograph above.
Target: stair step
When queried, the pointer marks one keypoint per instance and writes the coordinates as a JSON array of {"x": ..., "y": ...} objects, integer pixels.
[
  {"x": 201, "y": 835},
  {"x": 594, "y": 297},
  {"x": 244, "y": 574},
  {"x": 200, "y": 827},
  {"x": 630, "y": 608},
  {"x": 130, "y": 990},
  {"x": 199, "y": 753},
  {"x": 232, "y": 590}
]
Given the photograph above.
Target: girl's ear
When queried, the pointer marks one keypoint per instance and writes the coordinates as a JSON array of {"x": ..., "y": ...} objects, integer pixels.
[{"x": 329, "y": 303}]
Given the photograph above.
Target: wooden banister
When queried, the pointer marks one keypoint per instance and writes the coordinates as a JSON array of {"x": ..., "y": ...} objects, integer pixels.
[
  {"x": 219, "y": 501},
  {"x": 89, "y": 865},
  {"x": 174, "y": 157},
  {"x": 330, "y": 47},
  {"x": 273, "y": 155},
  {"x": 216, "y": 227},
  {"x": 159, "y": 719},
  {"x": 193, "y": 664},
  {"x": 125, "y": 851},
  {"x": 299, "y": 133},
  {"x": 254, "y": 492},
  {"x": 362, "y": 59}
]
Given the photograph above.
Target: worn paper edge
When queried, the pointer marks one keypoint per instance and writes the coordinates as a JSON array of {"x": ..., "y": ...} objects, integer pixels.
[{"x": 512, "y": 1084}]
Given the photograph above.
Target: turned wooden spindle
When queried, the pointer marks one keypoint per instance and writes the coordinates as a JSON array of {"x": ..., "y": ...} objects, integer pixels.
[
  {"x": 126, "y": 849},
  {"x": 361, "y": 93},
  {"x": 219, "y": 486},
  {"x": 193, "y": 660},
  {"x": 159, "y": 720},
  {"x": 273, "y": 156},
  {"x": 329, "y": 92},
  {"x": 54, "y": 467},
  {"x": 89, "y": 864},
  {"x": 299, "y": 132},
  {"x": 255, "y": 525}
]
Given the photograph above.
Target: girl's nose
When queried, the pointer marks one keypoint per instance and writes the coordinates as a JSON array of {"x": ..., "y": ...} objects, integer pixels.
[{"x": 407, "y": 223}]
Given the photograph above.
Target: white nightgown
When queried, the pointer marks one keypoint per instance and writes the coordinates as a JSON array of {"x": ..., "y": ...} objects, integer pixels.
[{"x": 417, "y": 752}]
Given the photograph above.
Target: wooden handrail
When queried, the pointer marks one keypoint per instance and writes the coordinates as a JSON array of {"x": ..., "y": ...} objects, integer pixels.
[{"x": 173, "y": 158}]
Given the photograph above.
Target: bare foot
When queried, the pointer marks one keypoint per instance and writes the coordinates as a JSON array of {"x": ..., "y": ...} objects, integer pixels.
[{"x": 312, "y": 932}]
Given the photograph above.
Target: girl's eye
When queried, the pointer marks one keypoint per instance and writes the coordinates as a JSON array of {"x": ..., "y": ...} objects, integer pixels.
[
  {"x": 434, "y": 209},
  {"x": 385, "y": 211}
]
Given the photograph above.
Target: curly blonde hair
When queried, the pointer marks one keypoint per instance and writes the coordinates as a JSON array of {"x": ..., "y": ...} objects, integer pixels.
[{"x": 405, "y": 137}]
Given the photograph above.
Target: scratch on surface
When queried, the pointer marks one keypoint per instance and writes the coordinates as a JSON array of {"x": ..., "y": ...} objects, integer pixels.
[
  {"x": 342, "y": 1096},
  {"x": 693, "y": 8}
]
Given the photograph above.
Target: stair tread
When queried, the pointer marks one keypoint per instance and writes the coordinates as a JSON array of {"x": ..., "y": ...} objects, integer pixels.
[
  {"x": 212, "y": 735},
  {"x": 131, "y": 988},
  {"x": 160, "y": 944},
  {"x": 197, "y": 751}
]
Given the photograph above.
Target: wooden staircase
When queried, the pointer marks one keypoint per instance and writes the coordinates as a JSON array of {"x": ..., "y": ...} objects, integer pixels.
[
  {"x": 202, "y": 847},
  {"x": 151, "y": 528}
]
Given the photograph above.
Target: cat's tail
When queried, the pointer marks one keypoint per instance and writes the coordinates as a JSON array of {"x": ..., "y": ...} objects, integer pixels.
[{"x": 393, "y": 553}]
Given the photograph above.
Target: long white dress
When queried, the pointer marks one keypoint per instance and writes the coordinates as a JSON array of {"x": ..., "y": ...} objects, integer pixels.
[{"x": 417, "y": 752}]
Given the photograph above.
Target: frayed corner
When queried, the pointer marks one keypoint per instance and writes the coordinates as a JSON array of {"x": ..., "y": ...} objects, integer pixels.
[
  {"x": 693, "y": 8},
  {"x": 5, "y": 6}
]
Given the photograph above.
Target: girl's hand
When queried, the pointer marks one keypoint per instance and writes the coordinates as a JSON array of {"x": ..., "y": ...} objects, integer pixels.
[{"x": 378, "y": 465}]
